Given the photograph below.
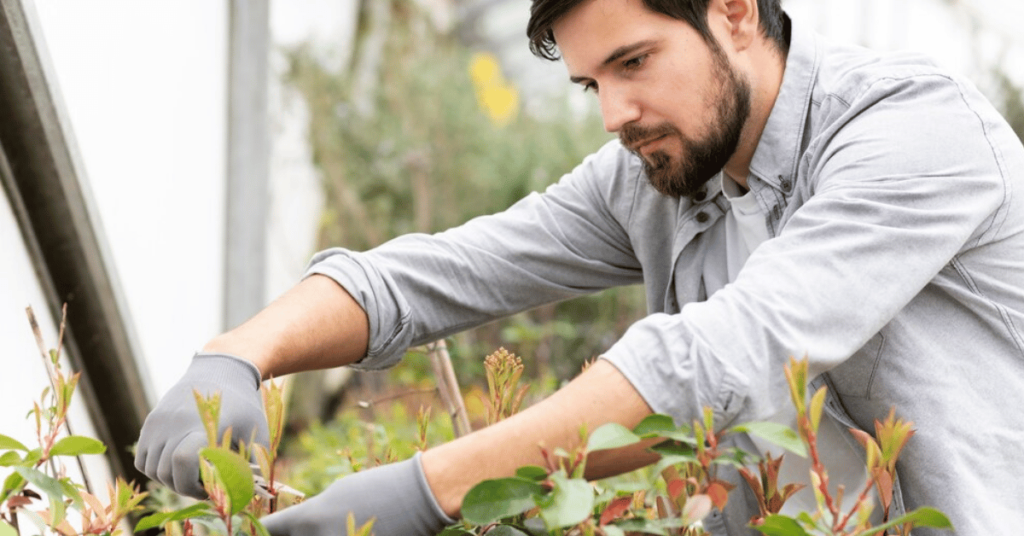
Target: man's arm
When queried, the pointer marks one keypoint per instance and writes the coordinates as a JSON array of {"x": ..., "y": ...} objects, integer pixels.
[
  {"x": 315, "y": 325},
  {"x": 318, "y": 325},
  {"x": 598, "y": 396}
]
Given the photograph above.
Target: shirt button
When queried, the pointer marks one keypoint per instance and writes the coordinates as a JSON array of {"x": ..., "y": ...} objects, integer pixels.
[
  {"x": 702, "y": 217},
  {"x": 786, "y": 185},
  {"x": 777, "y": 212},
  {"x": 700, "y": 196}
]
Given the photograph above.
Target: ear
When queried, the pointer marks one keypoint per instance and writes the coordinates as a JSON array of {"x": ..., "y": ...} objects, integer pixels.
[{"x": 738, "y": 20}]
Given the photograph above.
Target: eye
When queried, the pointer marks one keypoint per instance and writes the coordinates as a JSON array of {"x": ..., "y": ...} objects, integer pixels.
[
  {"x": 635, "y": 62},
  {"x": 590, "y": 86}
]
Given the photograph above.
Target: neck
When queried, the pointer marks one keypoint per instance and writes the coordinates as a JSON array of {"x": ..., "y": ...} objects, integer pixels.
[{"x": 765, "y": 67}]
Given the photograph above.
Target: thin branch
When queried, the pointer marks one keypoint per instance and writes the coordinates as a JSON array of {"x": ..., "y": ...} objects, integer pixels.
[
  {"x": 448, "y": 387},
  {"x": 51, "y": 365}
]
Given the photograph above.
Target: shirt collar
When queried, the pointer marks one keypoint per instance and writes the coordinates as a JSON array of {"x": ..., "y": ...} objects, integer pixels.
[{"x": 776, "y": 157}]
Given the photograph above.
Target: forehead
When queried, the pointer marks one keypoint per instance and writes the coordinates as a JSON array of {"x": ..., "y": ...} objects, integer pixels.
[{"x": 592, "y": 31}]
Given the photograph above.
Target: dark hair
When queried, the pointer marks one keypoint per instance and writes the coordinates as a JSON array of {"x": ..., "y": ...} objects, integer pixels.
[{"x": 544, "y": 13}]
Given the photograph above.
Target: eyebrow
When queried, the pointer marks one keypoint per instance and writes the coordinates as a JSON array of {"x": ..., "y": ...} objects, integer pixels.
[{"x": 616, "y": 54}]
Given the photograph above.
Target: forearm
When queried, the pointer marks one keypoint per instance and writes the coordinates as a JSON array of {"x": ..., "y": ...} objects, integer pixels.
[
  {"x": 314, "y": 325},
  {"x": 598, "y": 396}
]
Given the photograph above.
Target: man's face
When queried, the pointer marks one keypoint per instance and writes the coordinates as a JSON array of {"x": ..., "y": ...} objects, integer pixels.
[{"x": 674, "y": 100}]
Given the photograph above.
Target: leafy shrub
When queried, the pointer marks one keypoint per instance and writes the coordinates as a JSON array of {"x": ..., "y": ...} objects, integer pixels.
[{"x": 668, "y": 498}]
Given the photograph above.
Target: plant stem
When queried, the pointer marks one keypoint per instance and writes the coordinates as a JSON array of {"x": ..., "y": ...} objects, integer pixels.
[
  {"x": 448, "y": 386},
  {"x": 51, "y": 370},
  {"x": 860, "y": 500}
]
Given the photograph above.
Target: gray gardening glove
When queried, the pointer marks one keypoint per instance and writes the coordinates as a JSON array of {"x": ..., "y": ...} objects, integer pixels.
[
  {"x": 396, "y": 496},
  {"x": 173, "y": 434}
]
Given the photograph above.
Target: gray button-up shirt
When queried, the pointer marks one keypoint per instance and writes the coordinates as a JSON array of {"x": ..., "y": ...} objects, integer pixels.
[{"x": 894, "y": 199}]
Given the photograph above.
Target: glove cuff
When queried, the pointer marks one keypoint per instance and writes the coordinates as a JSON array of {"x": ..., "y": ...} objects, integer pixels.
[
  {"x": 223, "y": 368},
  {"x": 421, "y": 478}
]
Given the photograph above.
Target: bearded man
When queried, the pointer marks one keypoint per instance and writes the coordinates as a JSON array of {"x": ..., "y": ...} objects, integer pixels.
[{"x": 777, "y": 195}]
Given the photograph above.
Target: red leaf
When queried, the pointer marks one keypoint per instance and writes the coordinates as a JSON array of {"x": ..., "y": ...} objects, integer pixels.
[
  {"x": 615, "y": 509},
  {"x": 884, "y": 481},
  {"x": 719, "y": 495},
  {"x": 17, "y": 501},
  {"x": 862, "y": 437},
  {"x": 675, "y": 488}
]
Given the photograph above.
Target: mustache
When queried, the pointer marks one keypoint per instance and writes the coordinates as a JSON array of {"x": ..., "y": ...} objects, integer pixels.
[{"x": 632, "y": 135}]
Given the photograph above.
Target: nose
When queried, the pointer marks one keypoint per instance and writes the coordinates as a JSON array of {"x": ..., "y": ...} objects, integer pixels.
[{"x": 617, "y": 108}]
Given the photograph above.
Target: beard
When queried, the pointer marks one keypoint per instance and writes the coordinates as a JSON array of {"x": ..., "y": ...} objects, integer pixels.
[{"x": 699, "y": 160}]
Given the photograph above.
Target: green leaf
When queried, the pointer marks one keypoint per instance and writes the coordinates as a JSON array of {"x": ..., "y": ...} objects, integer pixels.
[
  {"x": 31, "y": 457},
  {"x": 922, "y": 517},
  {"x": 7, "y": 530},
  {"x": 613, "y": 530},
  {"x": 49, "y": 485},
  {"x": 260, "y": 529},
  {"x": 778, "y": 525},
  {"x": 495, "y": 499},
  {"x": 10, "y": 458},
  {"x": 77, "y": 446},
  {"x": 505, "y": 530},
  {"x": 571, "y": 502},
  {"x": 9, "y": 443},
  {"x": 735, "y": 457},
  {"x": 162, "y": 518},
  {"x": 209, "y": 413},
  {"x": 72, "y": 492},
  {"x": 235, "y": 473},
  {"x": 12, "y": 483},
  {"x": 532, "y": 472},
  {"x": 673, "y": 454},
  {"x": 611, "y": 436},
  {"x": 655, "y": 425},
  {"x": 778, "y": 434},
  {"x": 455, "y": 530}
]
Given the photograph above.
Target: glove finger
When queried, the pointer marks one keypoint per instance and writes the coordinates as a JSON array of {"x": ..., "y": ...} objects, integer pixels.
[
  {"x": 278, "y": 524},
  {"x": 179, "y": 467},
  {"x": 151, "y": 464},
  {"x": 140, "y": 458}
]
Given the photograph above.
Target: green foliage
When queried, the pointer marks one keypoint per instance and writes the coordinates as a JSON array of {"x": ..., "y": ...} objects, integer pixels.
[
  {"x": 778, "y": 434},
  {"x": 9, "y": 443},
  {"x": 40, "y": 472},
  {"x": 237, "y": 497},
  {"x": 355, "y": 440},
  {"x": 611, "y": 436},
  {"x": 77, "y": 446},
  {"x": 492, "y": 500},
  {"x": 162, "y": 518},
  {"x": 504, "y": 371},
  {"x": 227, "y": 471},
  {"x": 555, "y": 503}
]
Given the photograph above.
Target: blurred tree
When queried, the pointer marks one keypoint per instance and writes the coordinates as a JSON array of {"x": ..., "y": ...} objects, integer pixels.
[{"x": 995, "y": 81}]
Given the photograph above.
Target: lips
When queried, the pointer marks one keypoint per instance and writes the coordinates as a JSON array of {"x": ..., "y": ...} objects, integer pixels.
[{"x": 639, "y": 147}]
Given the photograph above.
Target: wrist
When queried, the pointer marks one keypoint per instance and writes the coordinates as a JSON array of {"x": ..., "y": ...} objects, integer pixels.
[
  {"x": 240, "y": 347},
  {"x": 444, "y": 515},
  {"x": 446, "y": 492},
  {"x": 224, "y": 369}
]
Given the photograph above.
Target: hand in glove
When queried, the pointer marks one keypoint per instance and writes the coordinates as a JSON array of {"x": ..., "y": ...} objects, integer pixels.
[
  {"x": 396, "y": 496},
  {"x": 173, "y": 434}
]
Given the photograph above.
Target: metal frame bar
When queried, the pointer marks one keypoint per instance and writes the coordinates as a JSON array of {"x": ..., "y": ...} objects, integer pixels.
[{"x": 46, "y": 186}]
